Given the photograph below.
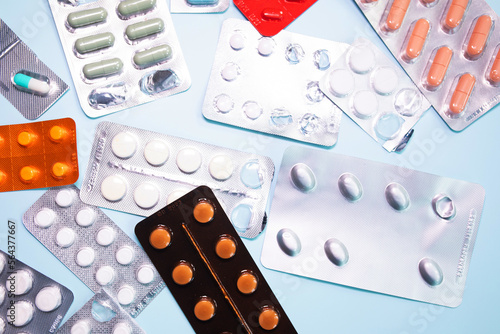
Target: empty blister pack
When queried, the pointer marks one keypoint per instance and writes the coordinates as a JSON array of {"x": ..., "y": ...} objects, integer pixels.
[
  {"x": 94, "y": 248},
  {"x": 373, "y": 226},
  {"x": 30, "y": 302},
  {"x": 120, "y": 53},
  {"x": 102, "y": 314},
  {"x": 251, "y": 72},
  {"x": 450, "y": 48},
  {"x": 25, "y": 81},
  {"x": 208, "y": 270},
  {"x": 199, "y": 6},
  {"x": 140, "y": 171},
  {"x": 376, "y": 94}
]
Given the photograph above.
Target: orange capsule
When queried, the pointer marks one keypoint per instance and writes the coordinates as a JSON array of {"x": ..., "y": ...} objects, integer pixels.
[
  {"x": 60, "y": 170},
  {"x": 479, "y": 36},
  {"x": 57, "y": 133},
  {"x": 455, "y": 14},
  {"x": 28, "y": 174},
  {"x": 439, "y": 66},
  {"x": 462, "y": 93},
  {"x": 417, "y": 39},
  {"x": 495, "y": 70},
  {"x": 26, "y": 138},
  {"x": 396, "y": 14}
]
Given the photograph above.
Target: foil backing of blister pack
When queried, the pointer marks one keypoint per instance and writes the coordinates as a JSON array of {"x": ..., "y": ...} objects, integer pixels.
[
  {"x": 94, "y": 248},
  {"x": 107, "y": 94},
  {"x": 375, "y": 93},
  {"x": 194, "y": 6},
  {"x": 119, "y": 156},
  {"x": 485, "y": 95},
  {"x": 373, "y": 226},
  {"x": 270, "y": 85}
]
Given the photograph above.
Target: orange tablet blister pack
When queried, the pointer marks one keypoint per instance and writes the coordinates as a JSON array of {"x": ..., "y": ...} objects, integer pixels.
[{"x": 38, "y": 155}]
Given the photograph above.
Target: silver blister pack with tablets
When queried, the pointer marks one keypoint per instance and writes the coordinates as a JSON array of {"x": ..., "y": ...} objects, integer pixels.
[
  {"x": 373, "y": 226},
  {"x": 94, "y": 248},
  {"x": 199, "y": 6},
  {"x": 450, "y": 48},
  {"x": 375, "y": 93},
  {"x": 30, "y": 302},
  {"x": 102, "y": 314},
  {"x": 120, "y": 53},
  {"x": 139, "y": 171},
  {"x": 270, "y": 84}
]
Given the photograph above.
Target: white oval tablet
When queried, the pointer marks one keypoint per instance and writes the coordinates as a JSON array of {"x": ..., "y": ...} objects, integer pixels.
[
  {"x": 156, "y": 152},
  {"x": 146, "y": 195},
  {"x": 364, "y": 104},
  {"x": 237, "y": 41},
  {"x": 48, "y": 299},
  {"x": 385, "y": 80},
  {"x": 221, "y": 167},
  {"x": 85, "y": 217},
  {"x": 24, "y": 313},
  {"x": 104, "y": 275},
  {"x": 266, "y": 46},
  {"x": 45, "y": 218},
  {"x": 85, "y": 257},
  {"x": 125, "y": 255},
  {"x": 223, "y": 103},
  {"x": 189, "y": 160},
  {"x": 361, "y": 59},
  {"x": 114, "y": 188},
  {"x": 126, "y": 295},
  {"x": 65, "y": 198},
  {"x": 81, "y": 327},
  {"x": 252, "y": 110},
  {"x": 145, "y": 274},
  {"x": 124, "y": 145},
  {"x": 105, "y": 236},
  {"x": 65, "y": 237},
  {"x": 176, "y": 194},
  {"x": 22, "y": 281},
  {"x": 341, "y": 82},
  {"x": 230, "y": 72}
]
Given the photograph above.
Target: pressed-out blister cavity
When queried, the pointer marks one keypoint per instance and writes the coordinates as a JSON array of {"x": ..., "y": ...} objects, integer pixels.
[
  {"x": 30, "y": 302},
  {"x": 248, "y": 68},
  {"x": 102, "y": 314},
  {"x": 94, "y": 248},
  {"x": 440, "y": 42},
  {"x": 120, "y": 53},
  {"x": 199, "y": 6},
  {"x": 139, "y": 172},
  {"x": 420, "y": 228}
]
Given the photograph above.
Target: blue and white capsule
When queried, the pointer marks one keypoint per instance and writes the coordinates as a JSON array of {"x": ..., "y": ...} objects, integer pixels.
[{"x": 31, "y": 84}]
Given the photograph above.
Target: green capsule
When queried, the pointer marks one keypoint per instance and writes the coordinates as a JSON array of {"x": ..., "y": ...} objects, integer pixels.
[
  {"x": 131, "y": 7},
  {"x": 102, "y": 68},
  {"x": 143, "y": 29},
  {"x": 87, "y": 17},
  {"x": 153, "y": 56},
  {"x": 94, "y": 42}
]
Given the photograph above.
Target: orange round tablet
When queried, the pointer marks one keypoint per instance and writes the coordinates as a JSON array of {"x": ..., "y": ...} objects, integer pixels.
[
  {"x": 204, "y": 309},
  {"x": 60, "y": 170},
  {"x": 160, "y": 237},
  {"x": 57, "y": 133},
  {"x": 203, "y": 212},
  {"x": 25, "y": 138},
  {"x": 183, "y": 273},
  {"x": 28, "y": 174},
  {"x": 225, "y": 247},
  {"x": 268, "y": 318},
  {"x": 247, "y": 283}
]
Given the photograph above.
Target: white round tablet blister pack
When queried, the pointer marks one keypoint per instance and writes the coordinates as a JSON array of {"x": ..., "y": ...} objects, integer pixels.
[
  {"x": 81, "y": 327},
  {"x": 105, "y": 236},
  {"x": 252, "y": 110},
  {"x": 65, "y": 237},
  {"x": 105, "y": 275},
  {"x": 176, "y": 194},
  {"x": 65, "y": 198},
  {"x": 45, "y": 218},
  {"x": 223, "y": 103},
  {"x": 266, "y": 46},
  {"x": 145, "y": 274},
  {"x": 189, "y": 160},
  {"x": 85, "y": 217},
  {"x": 361, "y": 59},
  {"x": 24, "y": 312},
  {"x": 221, "y": 167},
  {"x": 124, "y": 145},
  {"x": 341, "y": 82},
  {"x": 85, "y": 257},
  {"x": 384, "y": 80},
  {"x": 125, "y": 255},
  {"x": 237, "y": 41},
  {"x": 114, "y": 188},
  {"x": 126, "y": 295},
  {"x": 156, "y": 152},
  {"x": 230, "y": 72},
  {"x": 48, "y": 299},
  {"x": 3, "y": 293},
  {"x": 364, "y": 104},
  {"x": 146, "y": 195}
]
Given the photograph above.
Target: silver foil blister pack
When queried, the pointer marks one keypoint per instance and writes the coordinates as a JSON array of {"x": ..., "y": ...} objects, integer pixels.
[
  {"x": 102, "y": 314},
  {"x": 25, "y": 81},
  {"x": 120, "y": 53},
  {"x": 139, "y": 171},
  {"x": 30, "y": 302},
  {"x": 373, "y": 226},
  {"x": 376, "y": 94},
  {"x": 271, "y": 84},
  {"x": 199, "y": 6},
  {"x": 94, "y": 248},
  {"x": 448, "y": 47}
]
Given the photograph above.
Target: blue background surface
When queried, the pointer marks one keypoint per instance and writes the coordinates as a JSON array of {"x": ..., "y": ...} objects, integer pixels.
[{"x": 313, "y": 306}]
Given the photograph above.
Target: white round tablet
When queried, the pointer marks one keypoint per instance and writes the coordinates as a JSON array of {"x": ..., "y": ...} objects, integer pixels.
[
  {"x": 65, "y": 237},
  {"x": 2, "y": 326},
  {"x": 24, "y": 313},
  {"x": 156, "y": 152},
  {"x": 85, "y": 257},
  {"x": 45, "y": 218},
  {"x": 65, "y": 198},
  {"x": 266, "y": 46},
  {"x": 176, "y": 194},
  {"x": 2, "y": 294},
  {"x": 384, "y": 80},
  {"x": 221, "y": 167},
  {"x": 105, "y": 236},
  {"x": 146, "y": 195},
  {"x": 85, "y": 217},
  {"x": 114, "y": 188},
  {"x": 252, "y": 110},
  {"x": 81, "y": 327},
  {"x": 230, "y": 72},
  {"x": 223, "y": 103},
  {"x": 364, "y": 104},
  {"x": 126, "y": 295},
  {"x": 2, "y": 263},
  {"x": 125, "y": 255},
  {"x": 341, "y": 82},
  {"x": 237, "y": 41},
  {"x": 48, "y": 299},
  {"x": 189, "y": 160},
  {"x": 124, "y": 145},
  {"x": 19, "y": 283},
  {"x": 361, "y": 59},
  {"x": 145, "y": 274},
  {"x": 105, "y": 275}
]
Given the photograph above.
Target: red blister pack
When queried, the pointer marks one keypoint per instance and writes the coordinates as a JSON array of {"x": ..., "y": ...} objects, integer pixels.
[{"x": 269, "y": 17}]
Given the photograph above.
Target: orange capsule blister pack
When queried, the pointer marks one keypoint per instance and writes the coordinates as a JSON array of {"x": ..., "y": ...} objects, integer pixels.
[
  {"x": 38, "y": 155},
  {"x": 450, "y": 48}
]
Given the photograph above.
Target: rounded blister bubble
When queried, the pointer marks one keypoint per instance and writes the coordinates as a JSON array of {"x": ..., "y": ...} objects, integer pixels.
[
  {"x": 350, "y": 187},
  {"x": 145, "y": 274},
  {"x": 23, "y": 311},
  {"x": 124, "y": 145},
  {"x": 85, "y": 217},
  {"x": 336, "y": 252},
  {"x": 289, "y": 242},
  {"x": 126, "y": 295},
  {"x": 397, "y": 196},
  {"x": 303, "y": 178},
  {"x": 230, "y": 72},
  {"x": 48, "y": 299},
  {"x": 384, "y": 80},
  {"x": 156, "y": 152},
  {"x": 266, "y": 46},
  {"x": 221, "y": 167},
  {"x": 294, "y": 53},
  {"x": 322, "y": 59},
  {"x": 65, "y": 237},
  {"x": 388, "y": 126},
  {"x": 430, "y": 271},
  {"x": 105, "y": 236},
  {"x": 341, "y": 82},
  {"x": 114, "y": 188},
  {"x": 122, "y": 328},
  {"x": 280, "y": 118},
  {"x": 252, "y": 175},
  {"x": 22, "y": 280},
  {"x": 444, "y": 206},
  {"x": 189, "y": 160},
  {"x": 361, "y": 59},
  {"x": 223, "y": 103},
  {"x": 237, "y": 41},
  {"x": 313, "y": 92},
  {"x": 125, "y": 255},
  {"x": 252, "y": 110},
  {"x": 81, "y": 327},
  {"x": 85, "y": 257},
  {"x": 105, "y": 275},
  {"x": 2, "y": 263},
  {"x": 45, "y": 218},
  {"x": 364, "y": 104},
  {"x": 2, "y": 326},
  {"x": 241, "y": 217},
  {"x": 3, "y": 293},
  {"x": 176, "y": 194},
  {"x": 146, "y": 195},
  {"x": 309, "y": 124},
  {"x": 408, "y": 101},
  {"x": 65, "y": 198}
]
